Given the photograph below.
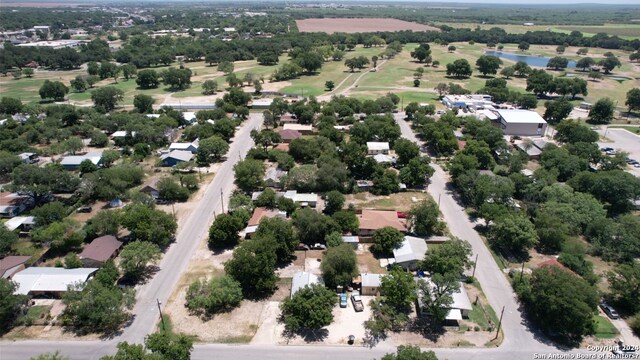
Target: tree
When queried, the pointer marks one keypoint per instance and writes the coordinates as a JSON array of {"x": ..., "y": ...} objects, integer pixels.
[
  {"x": 398, "y": 289},
  {"x": 488, "y": 64},
  {"x": 609, "y": 63},
  {"x": 7, "y": 239},
  {"x": 249, "y": 174},
  {"x": 527, "y": 101},
  {"x": 558, "y": 63},
  {"x": 170, "y": 346},
  {"x": 309, "y": 308},
  {"x": 601, "y": 112},
  {"x": 515, "y": 233},
  {"x": 9, "y": 105},
  {"x": 220, "y": 294},
  {"x": 557, "y": 110},
  {"x": 385, "y": 183},
  {"x": 416, "y": 172},
  {"x": 53, "y": 90},
  {"x": 573, "y": 132},
  {"x": 212, "y": 148},
  {"x": 135, "y": 256},
  {"x": 508, "y": 72},
  {"x": 146, "y": 224},
  {"x": 143, "y": 103},
  {"x": 10, "y": 303},
  {"x": 409, "y": 352},
  {"x": 459, "y": 68},
  {"x": 177, "y": 79},
  {"x": 209, "y": 87},
  {"x": 386, "y": 239},
  {"x": 128, "y": 71},
  {"x": 310, "y": 61},
  {"x": 339, "y": 266},
  {"x": 226, "y": 67},
  {"x": 281, "y": 234},
  {"x": 624, "y": 283},
  {"x": 334, "y": 203},
  {"x": 613, "y": 187},
  {"x": 253, "y": 265},
  {"x": 108, "y": 70},
  {"x": 559, "y": 302},
  {"x": 416, "y": 83},
  {"x": 79, "y": 84},
  {"x": 312, "y": 226},
  {"x": 522, "y": 68},
  {"x": 224, "y": 231},
  {"x": 169, "y": 189},
  {"x": 105, "y": 222},
  {"x": 452, "y": 257},
  {"x": 50, "y": 213},
  {"x": 406, "y": 150},
  {"x": 329, "y": 85},
  {"x": 539, "y": 82},
  {"x": 585, "y": 63},
  {"x": 436, "y": 296},
  {"x": 423, "y": 218},
  {"x": 633, "y": 99},
  {"x": 106, "y": 98},
  {"x": 148, "y": 79},
  {"x": 523, "y": 46}
]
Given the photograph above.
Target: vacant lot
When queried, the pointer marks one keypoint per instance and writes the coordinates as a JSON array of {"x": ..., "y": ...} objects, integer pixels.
[{"x": 347, "y": 25}]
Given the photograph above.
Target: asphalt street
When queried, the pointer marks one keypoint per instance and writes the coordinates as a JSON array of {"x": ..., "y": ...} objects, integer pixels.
[{"x": 622, "y": 140}]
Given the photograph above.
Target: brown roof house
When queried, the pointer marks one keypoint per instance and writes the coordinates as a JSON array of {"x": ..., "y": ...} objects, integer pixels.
[
  {"x": 100, "y": 250},
  {"x": 151, "y": 188},
  {"x": 289, "y": 135},
  {"x": 260, "y": 213},
  {"x": 372, "y": 220},
  {"x": 11, "y": 265}
]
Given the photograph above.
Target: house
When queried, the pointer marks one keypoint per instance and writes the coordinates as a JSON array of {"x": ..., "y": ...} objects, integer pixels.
[
  {"x": 364, "y": 185},
  {"x": 351, "y": 240},
  {"x": 100, "y": 250},
  {"x": 11, "y": 265},
  {"x": 260, "y": 213},
  {"x": 273, "y": 177},
  {"x": 23, "y": 223},
  {"x": 289, "y": 135},
  {"x": 554, "y": 262},
  {"x": 175, "y": 157},
  {"x": 288, "y": 119},
  {"x": 189, "y": 117},
  {"x": 302, "y": 129},
  {"x": 13, "y": 204},
  {"x": 521, "y": 122},
  {"x": 410, "y": 251},
  {"x": 372, "y": 220},
  {"x": 473, "y": 102},
  {"x": 302, "y": 199},
  {"x": 72, "y": 162},
  {"x": 261, "y": 103},
  {"x": 384, "y": 159},
  {"x": 370, "y": 284},
  {"x": 533, "y": 148},
  {"x": 374, "y": 147},
  {"x": 191, "y": 147},
  {"x": 28, "y": 158},
  {"x": 302, "y": 279},
  {"x": 50, "y": 280},
  {"x": 458, "y": 310},
  {"x": 151, "y": 188}
]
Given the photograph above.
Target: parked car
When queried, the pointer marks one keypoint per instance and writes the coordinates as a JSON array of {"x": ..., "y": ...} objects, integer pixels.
[
  {"x": 302, "y": 246},
  {"x": 402, "y": 215},
  {"x": 318, "y": 246},
  {"x": 605, "y": 149},
  {"x": 357, "y": 302},
  {"x": 611, "y": 312},
  {"x": 343, "y": 300},
  {"x": 84, "y": 209}
]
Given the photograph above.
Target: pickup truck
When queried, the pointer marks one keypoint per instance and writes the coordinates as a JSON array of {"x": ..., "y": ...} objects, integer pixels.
[{"x": 357, "y": 302}]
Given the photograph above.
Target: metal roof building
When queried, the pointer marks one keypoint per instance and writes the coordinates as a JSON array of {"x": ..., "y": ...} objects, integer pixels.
[{"x": 36, "y": 280}]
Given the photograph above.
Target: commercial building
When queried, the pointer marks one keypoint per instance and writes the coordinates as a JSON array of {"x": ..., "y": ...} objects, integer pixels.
[
  {"x": 521, "y": 122},
  {"x": 473, "y": 102}
]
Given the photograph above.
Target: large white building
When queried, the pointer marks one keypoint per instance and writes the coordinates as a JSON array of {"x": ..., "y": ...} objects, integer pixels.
[
  {"x": 521, "y": 122},
  {"x": 475, "y": 102}
]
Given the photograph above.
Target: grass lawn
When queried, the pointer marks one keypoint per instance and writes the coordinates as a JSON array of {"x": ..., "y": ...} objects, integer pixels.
[
  {"x": 633, "y": 129},
  {"x": 35, "y": 313},
  {"x": 604, "y": 328}
]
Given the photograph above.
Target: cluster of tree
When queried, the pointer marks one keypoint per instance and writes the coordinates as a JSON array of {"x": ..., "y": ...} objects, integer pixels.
[
  {"x": 541, "y": 83},
  {"x": 162, "y": 345},
  {"x": 54, "y": 59}
]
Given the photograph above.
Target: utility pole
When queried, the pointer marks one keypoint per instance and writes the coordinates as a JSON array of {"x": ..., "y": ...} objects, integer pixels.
[
  {"x": 222, "y": 200},
  {"x": 439, "y": 195},
  {"x": 474, "y": 266},
  {"x": 160, "y": 310},
  {"x": 499, "y": 323}
]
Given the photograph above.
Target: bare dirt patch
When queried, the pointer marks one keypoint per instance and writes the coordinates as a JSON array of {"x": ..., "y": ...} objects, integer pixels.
[{"x": 350, "y": 25}]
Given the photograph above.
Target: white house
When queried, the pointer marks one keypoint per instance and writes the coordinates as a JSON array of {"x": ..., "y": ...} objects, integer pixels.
[
  {"x": 370, "y": 284},
  {"x": 411, "y": 250},
  {"x": 302, "y": 279},
  {"x": 521, "y": 122},
  {"x": 175, "y": 157},
  {"x": 73, "y": 161},
  {"x": 302, "y": 199},
  {"x": 459, "y": 308},
  {"x": 121, "y": 134},
  {"x": 374, "y": 148},
  {"x": 191, "y": 147},
  {"x": 189, "y": 116},
  {"x": 384, "y": 159},
  {"x": 50, "y": 280},
  {"x": 24, "y": 223}
]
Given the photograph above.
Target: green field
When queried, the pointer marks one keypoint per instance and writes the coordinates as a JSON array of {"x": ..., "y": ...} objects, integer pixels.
[{"x": 604, "y": 328}]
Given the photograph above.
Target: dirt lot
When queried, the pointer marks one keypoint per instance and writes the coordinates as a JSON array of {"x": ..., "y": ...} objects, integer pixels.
[{"x": 348, "y": 25}]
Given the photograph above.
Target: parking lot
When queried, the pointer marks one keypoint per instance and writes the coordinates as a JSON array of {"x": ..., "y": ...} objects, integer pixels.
[{"x": 622, "y": 140}]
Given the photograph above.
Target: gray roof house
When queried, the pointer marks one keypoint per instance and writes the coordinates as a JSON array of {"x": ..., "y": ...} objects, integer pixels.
[
  {"x": 302, "y": 279},
  {"x": 175, "y": 157},
  {"x": 72, "y": 162},
  {"x": 411, "y": 250},
  {"x": 273, "y": 177},
  {"x": 458, "y": 310},
  {"x": 370, "y": 284}
]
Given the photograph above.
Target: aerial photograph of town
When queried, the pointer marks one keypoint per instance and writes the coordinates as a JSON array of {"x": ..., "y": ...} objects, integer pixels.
[{"x": 319, "y": 180}]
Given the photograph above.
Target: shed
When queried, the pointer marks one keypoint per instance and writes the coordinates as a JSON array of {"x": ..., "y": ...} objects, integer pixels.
[
  {"x": 23, "y": 223},
  {"x": 411, "y": 250},
  {"x": 50, "y": 280},
  {"x": 100, "y": 250},
  {"x": 11, "y": 265},
  {"x": 370, "y": 284},
  {"x": 302, "y": 279}
]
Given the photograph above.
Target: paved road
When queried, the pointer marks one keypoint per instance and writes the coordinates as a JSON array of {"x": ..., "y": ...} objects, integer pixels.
[
  {"x": 622, "y": 140},
  {"x": 494, "y": 284}
]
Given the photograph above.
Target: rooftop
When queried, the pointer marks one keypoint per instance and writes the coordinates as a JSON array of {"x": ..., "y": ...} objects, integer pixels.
[
  {"x": 411, "y": 249},
  {"x": 260, "y": 212},
  {"x": 374, "y": 145},
  {"x": 377, "y": 219},
  {"x": 76, "y": 160},
  {"x": 371, "y": 280},
  {"x": 299, "y": 127},
  {"x": 181, "y": 155},
  {"x": 10, "y": 262},
  {"x": 519, "y": 116},
  {"x": 17, "y": 221},
  {"x": 302, "y": 279},
  {"x": 50, "y": 278},
  {"x": 289, "y": 134},
  {"x": 101, "y": 249}
]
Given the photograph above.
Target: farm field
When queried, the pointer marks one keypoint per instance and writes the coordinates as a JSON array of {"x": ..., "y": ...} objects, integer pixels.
[
  {"x": 625, "y": 31},
  {"x": 348, "y": 25}
]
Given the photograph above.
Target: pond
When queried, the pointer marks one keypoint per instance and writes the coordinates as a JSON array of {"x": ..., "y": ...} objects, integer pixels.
[
  {"x": 539, "y": 61},
  {"x": 616, "y": 78}
]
